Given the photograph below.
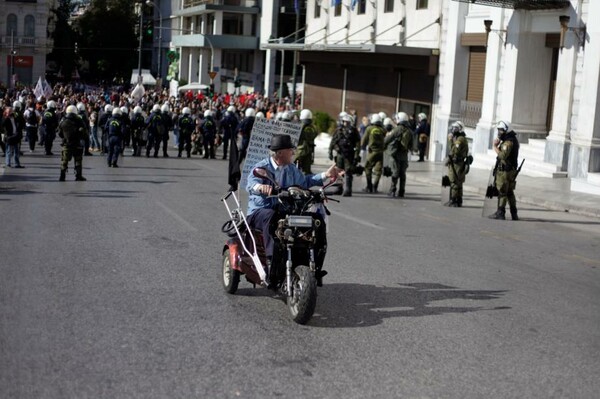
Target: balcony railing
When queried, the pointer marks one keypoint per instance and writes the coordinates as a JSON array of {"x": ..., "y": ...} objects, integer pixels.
[
  {"x": 238, "y": 3},
  {"x": 470, "y": 112},
  {"x": 19, "y": 41}
]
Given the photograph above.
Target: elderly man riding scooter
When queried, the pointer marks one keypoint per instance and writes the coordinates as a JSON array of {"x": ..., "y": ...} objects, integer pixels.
[{"x": 261, "y": 206}]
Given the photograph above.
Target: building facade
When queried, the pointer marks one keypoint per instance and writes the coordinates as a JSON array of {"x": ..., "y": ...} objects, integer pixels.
[
  {"x": 25, "y": 28},
  {"x": 534, "y": 64},
  {"x": 369, "y": 56},
  {"x": 219, "y": 36}
]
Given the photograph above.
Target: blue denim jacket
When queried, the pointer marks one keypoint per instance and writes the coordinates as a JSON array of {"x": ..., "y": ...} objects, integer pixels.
[{"x": 290, "y": 176}]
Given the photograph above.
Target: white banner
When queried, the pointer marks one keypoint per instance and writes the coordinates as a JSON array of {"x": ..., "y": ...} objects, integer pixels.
[{"x": 260, "y": 140}]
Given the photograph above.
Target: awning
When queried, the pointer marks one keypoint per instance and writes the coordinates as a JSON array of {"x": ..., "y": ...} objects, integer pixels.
[
  {"x": 522, "y": 4},
  {"x": 147, "y": 78}
]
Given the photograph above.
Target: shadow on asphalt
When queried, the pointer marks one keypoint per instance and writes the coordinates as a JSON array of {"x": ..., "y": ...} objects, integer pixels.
[{"x": 359, "y": 305}]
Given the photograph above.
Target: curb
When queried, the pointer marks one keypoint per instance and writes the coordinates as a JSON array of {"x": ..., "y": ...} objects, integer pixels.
[{"x": 523, "y": 198}]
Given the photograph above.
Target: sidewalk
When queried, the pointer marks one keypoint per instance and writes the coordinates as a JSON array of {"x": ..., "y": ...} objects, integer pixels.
[{"x": 549, "y": 193}]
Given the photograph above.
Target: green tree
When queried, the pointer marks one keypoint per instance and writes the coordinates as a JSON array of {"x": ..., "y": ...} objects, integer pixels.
[
  {"x": 63, "y": 53},
  {"x": 108, "y": 41}
]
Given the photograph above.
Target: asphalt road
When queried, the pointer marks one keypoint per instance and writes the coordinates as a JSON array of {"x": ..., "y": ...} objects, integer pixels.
[{"x": 111, "y": 288}]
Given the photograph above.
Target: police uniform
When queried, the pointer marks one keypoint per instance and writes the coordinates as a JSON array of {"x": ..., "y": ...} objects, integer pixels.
[
  {"x": 155, "y": 128},
  {"x": 374, "y": 139},
  {"x": 115, "y": 127},
  {"x": 457, "y": 167},
  {"x": 346, "y": 143},
  {"x": 229, "y": 126},
  {"x": 397, "y": 144},
  {"x": 137, "y": 134},
  {"x": 209, "y": 133},
  {"x": 168, "y": 124},
  {"x": 49, "y": 125},
  {"x": 306, "y": 147},
  {"x": 186, "y": 126},
  {"x": 72, "y": 131},
  {"x": 506, "y": 175}
]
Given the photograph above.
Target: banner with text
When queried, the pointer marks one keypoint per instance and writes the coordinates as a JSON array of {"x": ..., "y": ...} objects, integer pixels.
[{"x": 260, "y": 139}]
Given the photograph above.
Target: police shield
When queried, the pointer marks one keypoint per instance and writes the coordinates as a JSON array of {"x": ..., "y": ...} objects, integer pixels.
[{"x": 490, "y": 202}]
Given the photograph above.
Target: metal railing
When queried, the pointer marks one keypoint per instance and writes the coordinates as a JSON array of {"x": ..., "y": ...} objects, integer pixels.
[
  {"x": 470, "y": 112},
  {"x": 28, "y": 41}
]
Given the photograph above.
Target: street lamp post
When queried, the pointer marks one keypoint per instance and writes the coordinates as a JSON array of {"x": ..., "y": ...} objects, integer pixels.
[
  {"x": 141, "y": 6},
  {"x": 12, "y": 56}
]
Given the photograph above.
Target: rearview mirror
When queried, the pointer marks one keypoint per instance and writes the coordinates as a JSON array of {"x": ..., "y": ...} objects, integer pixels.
[{"x": 263, "y": 173}]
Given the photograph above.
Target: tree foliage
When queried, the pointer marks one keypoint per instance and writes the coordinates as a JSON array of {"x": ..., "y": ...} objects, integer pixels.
[
  {"x": 107, "y": 39},
  {"x": 63, "y": 53}
]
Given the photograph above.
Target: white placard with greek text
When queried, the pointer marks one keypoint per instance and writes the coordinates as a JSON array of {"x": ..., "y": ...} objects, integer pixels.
[{"x": 260, "y": 139}]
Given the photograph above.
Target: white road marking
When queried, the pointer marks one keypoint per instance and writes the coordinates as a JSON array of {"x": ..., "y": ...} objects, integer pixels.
[{"x": 359, "y": 221}]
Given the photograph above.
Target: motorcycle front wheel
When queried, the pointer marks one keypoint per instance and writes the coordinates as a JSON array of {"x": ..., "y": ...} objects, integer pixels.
[
  {"x": 231, "y": 277},
  {"x": 303, "y": 300}
]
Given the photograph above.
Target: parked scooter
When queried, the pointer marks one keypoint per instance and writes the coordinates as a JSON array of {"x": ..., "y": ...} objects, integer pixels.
[{"x": 300, "y": 245}]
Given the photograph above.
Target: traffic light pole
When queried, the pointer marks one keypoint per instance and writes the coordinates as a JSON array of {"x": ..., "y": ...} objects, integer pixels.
[{"x": 140, "y": 79}]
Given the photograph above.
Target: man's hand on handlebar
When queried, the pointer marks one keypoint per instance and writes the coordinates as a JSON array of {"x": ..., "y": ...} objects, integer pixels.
[{"x": 265, "y": 189}]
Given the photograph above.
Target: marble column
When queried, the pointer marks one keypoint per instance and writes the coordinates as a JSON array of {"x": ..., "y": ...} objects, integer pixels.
[{"x": 584, "y": 154}]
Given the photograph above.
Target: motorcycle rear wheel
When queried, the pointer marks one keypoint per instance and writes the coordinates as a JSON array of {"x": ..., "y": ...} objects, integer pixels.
[
  {"x": 231, "y": 277},
  {"x": 303, "y": 301}
]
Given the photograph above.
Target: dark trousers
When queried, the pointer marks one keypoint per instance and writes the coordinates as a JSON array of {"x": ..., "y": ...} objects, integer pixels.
[
  {"x": 185, "y": 141},
  {"x": 260, "y": 220},
  {"x": 48, "y": 141},
  {"x": 114, "y": 148},
  {"x": 31, "y": 136},
  {"x": 209, "y": 147}
]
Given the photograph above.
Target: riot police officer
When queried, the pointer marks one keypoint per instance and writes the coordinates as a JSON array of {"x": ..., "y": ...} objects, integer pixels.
[
  {"x": 81, "y": 111},
  {"x": 458, "y": 150},
  {"x": 137, "y": 131},
  {"x": 49, "y": 126},
  {"x": 229, "y": 125},
  {"x": 102, "y": 119},
  {"x": 168, "y": 125},
  {"x": 186, "y": 126},
  {"x": 209, "y": 133},
  {"x": 115, "y": 128},
  {"x": 156, "y": 128},
  {"x": 244, "y": 129},
  {"x": 422, "y": 133},
  {"x": 374, "y": 139},
  {"x": 346, "y": 143},
  {"x": 72, "y": 130},
  {"x": 306, "y": 143},
  {"x": 126, "y": 128},
  {"x": 506, "y": 147},
  {"x": 397, "y": 144}
]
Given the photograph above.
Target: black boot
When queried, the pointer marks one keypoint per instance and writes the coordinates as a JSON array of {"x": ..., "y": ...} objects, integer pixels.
[
  {"x": 63, "y": 174},
  {"x": 79, "y": 176},
  {"x": 369, "y": 188},
  {"x": 319, "y": 274},
  {"x": 347, "y": 187},
  {"x": 513, "y": 214},
  {"x": 401, "y": 193},
  {"x": 500, "y": 214},
  {"x": 375, "y": 185},
  {"x": 459, "y": 202}
]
